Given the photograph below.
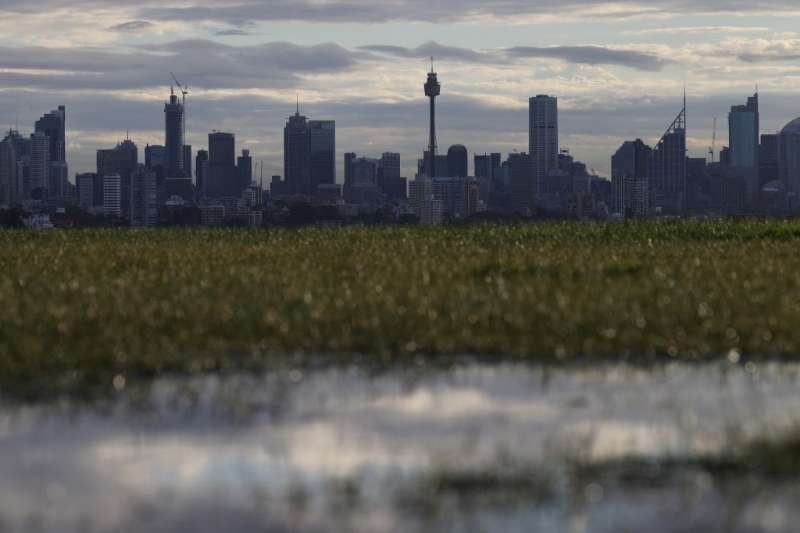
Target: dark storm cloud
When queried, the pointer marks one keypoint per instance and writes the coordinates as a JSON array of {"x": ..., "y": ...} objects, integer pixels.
[
  {"x": 132, "y": 26},
  {"x": 436, "y": 50},
  {"x": 592, "y": 55}
]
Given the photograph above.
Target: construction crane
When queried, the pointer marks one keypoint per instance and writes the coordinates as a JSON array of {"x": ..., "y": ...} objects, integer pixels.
[
  {"x": 713, "y": 140},
  {"x": 184, "y": 92}
]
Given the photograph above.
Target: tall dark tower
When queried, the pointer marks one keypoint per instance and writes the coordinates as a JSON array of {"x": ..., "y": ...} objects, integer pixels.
[
  {"x": 174, "y": 138},
  {"x": 432, "y": 90}
]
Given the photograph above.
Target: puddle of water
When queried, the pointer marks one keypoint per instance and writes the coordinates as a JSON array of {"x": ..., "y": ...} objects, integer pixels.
[{"x": 476, "y": 447}]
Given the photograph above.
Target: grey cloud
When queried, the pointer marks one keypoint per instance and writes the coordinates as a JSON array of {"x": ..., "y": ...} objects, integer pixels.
[
  {"x": 132, "y": 26},
  {"x": 760, "y": 58},
  {"x": 436, "y": 50},
  {"x": 448, "y": 11},
  {"x": 229, "y": 33},
  {"x": 213, "y": 65},
  {"x": 697, "y": 29},
  {"x": 593, "y": 55}
]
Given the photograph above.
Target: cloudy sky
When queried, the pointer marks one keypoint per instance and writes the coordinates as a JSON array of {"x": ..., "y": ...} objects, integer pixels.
[{"x": 618, "y": 70}]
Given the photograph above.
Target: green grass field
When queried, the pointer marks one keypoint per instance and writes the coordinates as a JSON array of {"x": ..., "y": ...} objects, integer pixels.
[{"x": 81, "y": 307}]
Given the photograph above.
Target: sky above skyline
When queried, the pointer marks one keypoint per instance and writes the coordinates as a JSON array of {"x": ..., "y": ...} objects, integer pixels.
[{"x": 618, "y": 70}]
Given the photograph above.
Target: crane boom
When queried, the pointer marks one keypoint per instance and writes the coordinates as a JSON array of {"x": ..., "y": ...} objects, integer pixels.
[{"x": 713, "y": 140}]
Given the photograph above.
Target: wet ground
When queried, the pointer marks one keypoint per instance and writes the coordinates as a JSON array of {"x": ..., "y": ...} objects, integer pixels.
[{"x": 471, "y": 447}]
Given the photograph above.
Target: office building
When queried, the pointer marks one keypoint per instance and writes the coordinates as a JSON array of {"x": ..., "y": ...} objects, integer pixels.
[
  {"x": 10, "y": 174},
  {"x": 543, "y": 137},
  {"x": 296, "y": 155},
  {"x": 630, "y": 159},
  {"x": 523, "y": 182},
  {"x": 221, "y": 165},
  {"x": 201, "y": 172},
  {"x": 322, "y": 153},
  {"x": 666, "y": 168},
  {"x": 39, "y": 177},
  {"x": 143, "y": 198},
  {"x": 244, "y": 173},
  {"x": 112, "y": 195},
  {"x": 457, "y": 161},
  {"x": 743, "y": 133},
  {"x": 53, "y": 125},
  {"x": 789, "y": 156},
  {"x": 120, "y": 160}
]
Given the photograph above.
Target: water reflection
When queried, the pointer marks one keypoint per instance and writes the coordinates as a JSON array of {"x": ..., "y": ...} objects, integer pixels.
[{"x": 478, "y": 447}]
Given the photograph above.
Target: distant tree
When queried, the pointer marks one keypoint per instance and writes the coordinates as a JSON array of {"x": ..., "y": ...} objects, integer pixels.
[{"x": 408, "y": 220}]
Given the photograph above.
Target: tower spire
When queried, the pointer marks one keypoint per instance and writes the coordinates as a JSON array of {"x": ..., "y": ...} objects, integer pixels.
[{"x": 298, "y": 102}]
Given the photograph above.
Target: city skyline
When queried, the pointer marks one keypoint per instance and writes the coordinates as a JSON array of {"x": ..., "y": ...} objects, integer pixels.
[{"x": 244, "y": 65}]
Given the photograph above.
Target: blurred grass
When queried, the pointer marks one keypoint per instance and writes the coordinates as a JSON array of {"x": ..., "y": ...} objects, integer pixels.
[{"x": 80, "y": 307}]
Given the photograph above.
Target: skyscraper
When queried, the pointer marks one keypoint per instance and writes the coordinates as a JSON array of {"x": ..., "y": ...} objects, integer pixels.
[
  {"x": 221, "y": 164},
  {"x": 322, "y": 153},
  {"x": 743, "y": 133},
  {"x": 523, "y": 182},
  {"x": 296, "y": 160},
  {"x": 120, "y": 160},
  {"x": 629, "y": 177},
  {"x": 201, "y": 174},
  {"x": 789, "y": 155},
  {"x": 10, "y": 172},
  {"x": 143, "y": 207},
  {"x": 244, "y": 173},
  {"x": 543, "y": 137},
  {"x": 457, "y": 161},
  {"x": 53, "y": 125},
  {"x": 39, "y": 166},
  {"x": 173, "y": 142},
  {"x": 666, "y": 168}
]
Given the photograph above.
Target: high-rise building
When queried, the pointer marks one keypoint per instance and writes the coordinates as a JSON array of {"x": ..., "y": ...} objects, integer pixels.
[
  {"x": 200, "y": 172},
  {"x": 630, "y": 159},
  {"x": 543, "y": 137},
  {"x": 322, "y": 153},
  {"x": 59, "y": 180},
  {"x": 389, "y": 179},
  {"x": 120, "y": 160},
  {"x": 174, "y": 136},
  {"x": 39, "y": 166},
  {"x": 523, "y": 182},
  {"x": 768, "y": 159},
  {"x": 789, "y": 155},
  {"x": 457, "y": 161},
  {"x": 10, "y": 173},
  {"x": 244, "y": 173},
  {"x": 187, "y": 159},
  {"x": 154, "y": 156},
  {"x": 221, "y": 164},
  {"x": 483, "y": 166},
  {"x": 143, "y": 198},
  {"x": 743, "y": 133},
  {"x": 296, "y": 160},
  {"x": 85, "y": 186},
  {"x": 52, "y": 124},
  {"x": 666, "y": 168},
  {"x": 112, "y": 195}
]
